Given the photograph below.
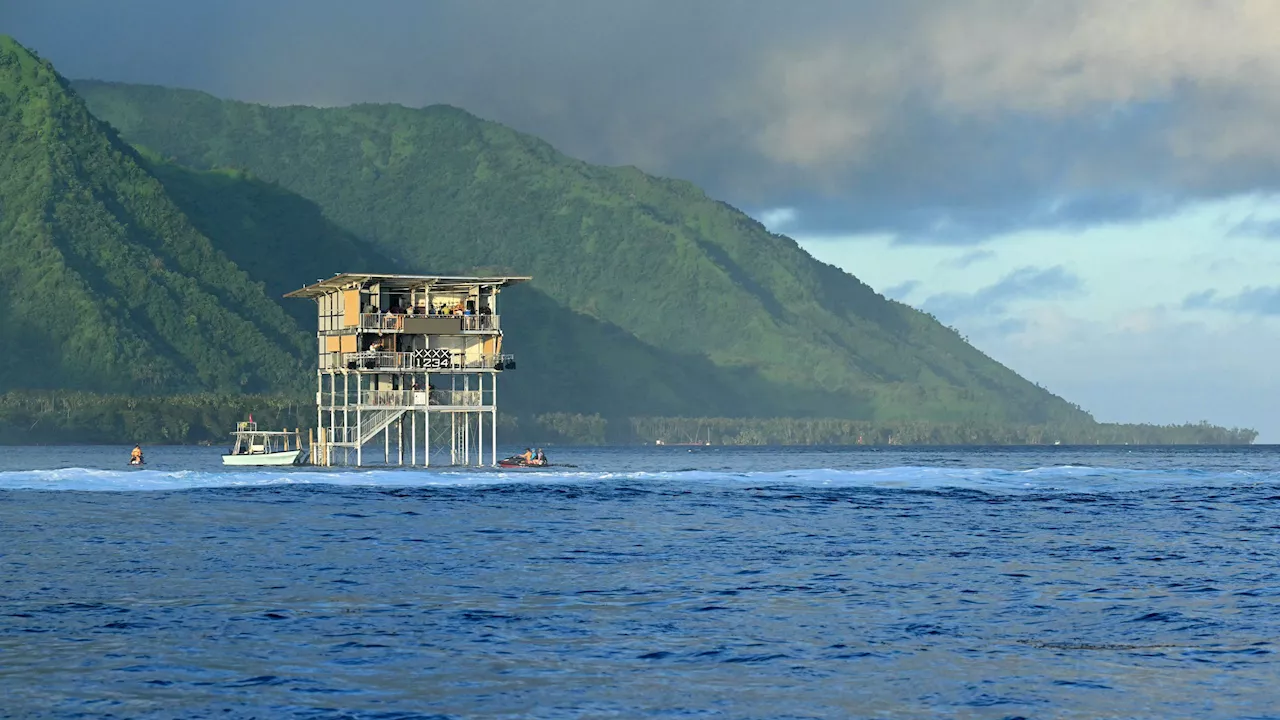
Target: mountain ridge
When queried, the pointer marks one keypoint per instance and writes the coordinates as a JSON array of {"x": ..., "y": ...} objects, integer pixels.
[
  {"x": 145, "y": 278},
  {"x": 756, "y": 299},
  {"x": 104, "y": 272}
]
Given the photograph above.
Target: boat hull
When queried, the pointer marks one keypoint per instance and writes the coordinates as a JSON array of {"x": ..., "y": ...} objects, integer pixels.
[{"x": 288, "y": 457}]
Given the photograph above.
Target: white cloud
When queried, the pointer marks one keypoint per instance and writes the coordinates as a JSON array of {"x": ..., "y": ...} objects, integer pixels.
[
  {"x": 994, "y": 301},
  {"x": 1132, "y": 348},
  {"x": 828, "y": 102},
  {"x": 969, "y": 258},
  {"x": 933, "y": 120},
  {"x": 777, "y": 219},
  {"x": 1150, "y": 364}
]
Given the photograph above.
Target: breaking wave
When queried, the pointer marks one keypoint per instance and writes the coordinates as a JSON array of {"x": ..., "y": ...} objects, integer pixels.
[{"x": 1064, "y": 478}]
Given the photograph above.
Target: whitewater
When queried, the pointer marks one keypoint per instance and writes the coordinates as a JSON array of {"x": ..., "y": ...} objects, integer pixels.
[{"x": 645, "y": 582}]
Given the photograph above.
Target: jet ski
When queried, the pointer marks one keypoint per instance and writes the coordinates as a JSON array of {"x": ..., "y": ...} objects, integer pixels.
[{"x": 516, "y": 461}]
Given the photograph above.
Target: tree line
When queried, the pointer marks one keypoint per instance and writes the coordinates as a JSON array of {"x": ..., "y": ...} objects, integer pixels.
[{"x": 52, "y": 417}]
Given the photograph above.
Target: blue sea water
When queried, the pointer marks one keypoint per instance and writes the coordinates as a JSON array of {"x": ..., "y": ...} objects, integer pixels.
[{"x": 645, "y": 583}]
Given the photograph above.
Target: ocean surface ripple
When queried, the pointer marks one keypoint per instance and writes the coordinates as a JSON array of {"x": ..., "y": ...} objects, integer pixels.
[{"x": 645, "y": 583}]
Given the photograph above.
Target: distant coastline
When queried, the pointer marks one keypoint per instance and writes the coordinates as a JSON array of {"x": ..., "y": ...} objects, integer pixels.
[{"x": 72, "y": 418}]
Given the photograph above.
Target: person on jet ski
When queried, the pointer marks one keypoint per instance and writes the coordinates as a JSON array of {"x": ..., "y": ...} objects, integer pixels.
[
  {"x": 539, "y": 458},
  {"x": 526, "y": 456},
  {"x": 135, "y": 457}
]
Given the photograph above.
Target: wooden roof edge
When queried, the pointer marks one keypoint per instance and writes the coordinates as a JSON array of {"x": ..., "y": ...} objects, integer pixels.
[{"x": 341, "y": 280}]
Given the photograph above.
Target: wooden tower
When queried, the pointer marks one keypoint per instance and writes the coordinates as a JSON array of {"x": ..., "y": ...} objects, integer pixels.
[{"x": 413, "y": 358}]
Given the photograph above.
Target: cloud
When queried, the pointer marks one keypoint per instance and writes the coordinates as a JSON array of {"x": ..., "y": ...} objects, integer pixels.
[
  {"x": 777, "y": 219},
  {"x": 939, "y": 122},
  {"x": 1148, "y": 364},
  {"x": 994, "y": 301},
  {"x": 1203, "y": 300},
  {"x": 1007, "y": 326},
  {"x": 1256, "y": 227},
  {"x": 1261, "y": 301},
  {"x": 970, "y": 258},
  {"x": 901, "y": 290}
]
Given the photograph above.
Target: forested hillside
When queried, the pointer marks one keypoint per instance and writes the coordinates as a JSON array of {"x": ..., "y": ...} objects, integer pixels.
[
  {"x": 142, "y": 292},
  {"x": 107, "y": 286},
  {"x": 690, "y": 277},
  {"x": 283, "y": 241},
  {"x": 129, "y": 226}
]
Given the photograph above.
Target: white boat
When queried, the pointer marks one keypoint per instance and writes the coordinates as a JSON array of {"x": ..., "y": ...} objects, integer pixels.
[{"x": 262, "y": 447}]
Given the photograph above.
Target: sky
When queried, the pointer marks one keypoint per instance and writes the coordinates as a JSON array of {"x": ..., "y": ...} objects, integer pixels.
[{"x": 1089, "y": 190}]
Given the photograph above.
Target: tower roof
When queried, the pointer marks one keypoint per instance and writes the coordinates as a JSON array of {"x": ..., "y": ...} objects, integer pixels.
[{"x": 438, "y": 283}]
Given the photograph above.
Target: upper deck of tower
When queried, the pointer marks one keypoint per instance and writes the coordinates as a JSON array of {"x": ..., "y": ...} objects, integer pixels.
[{"x": 352, "y": 303}]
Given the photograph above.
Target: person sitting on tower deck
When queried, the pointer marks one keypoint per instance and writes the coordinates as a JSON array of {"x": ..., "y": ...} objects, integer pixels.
[{"x": 392, "y": 319}]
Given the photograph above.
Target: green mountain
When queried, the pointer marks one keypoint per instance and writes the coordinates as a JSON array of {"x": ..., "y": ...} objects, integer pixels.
[
  {"x": 701, "y": 287},
  {"x": 107, "y": 285},
  {"x": 142, "y": 292},
  {"x": 283, "y": 241},
  {"x": 150, "y": 277}
]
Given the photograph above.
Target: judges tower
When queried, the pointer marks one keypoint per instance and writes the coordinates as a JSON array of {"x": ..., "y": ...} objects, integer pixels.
[{"x": 413, "y": 358}]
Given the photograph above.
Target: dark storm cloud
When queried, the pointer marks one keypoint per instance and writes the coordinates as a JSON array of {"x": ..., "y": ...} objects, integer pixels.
[{"x": 941, "y": 123}]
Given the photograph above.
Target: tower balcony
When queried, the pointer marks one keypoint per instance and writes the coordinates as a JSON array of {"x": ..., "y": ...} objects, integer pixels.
[
  {"x": 418, "y": 361},
  {"x": 429, "y": 324},
  {"x": 371, "y": 400}
]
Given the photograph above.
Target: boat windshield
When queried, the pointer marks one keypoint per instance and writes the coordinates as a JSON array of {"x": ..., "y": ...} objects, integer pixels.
[{"x": 253, "y": 442}]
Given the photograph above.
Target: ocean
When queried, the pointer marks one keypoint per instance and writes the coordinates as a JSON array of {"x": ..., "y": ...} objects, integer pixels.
[{"x": 665, "y": 582}]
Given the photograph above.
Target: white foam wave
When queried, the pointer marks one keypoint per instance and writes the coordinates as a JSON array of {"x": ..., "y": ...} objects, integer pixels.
[{"x": 1071, "y": 478}]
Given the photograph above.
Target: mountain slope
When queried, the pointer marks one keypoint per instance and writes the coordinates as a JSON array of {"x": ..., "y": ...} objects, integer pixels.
[
  {"x": 107, "y": 286},
  {"x": 653, "y": 257},
  {"x": 283, "y": 242},
  {"x": 131, "y": 274}
]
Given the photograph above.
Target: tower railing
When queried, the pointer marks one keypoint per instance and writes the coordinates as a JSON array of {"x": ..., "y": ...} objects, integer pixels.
[
  {"x": 418, "y": 361},
  {"x": 475, "y": 323},
  {"x": 421, "y": 398},
  {"x": 395, "y": 322}
]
